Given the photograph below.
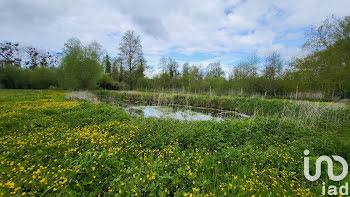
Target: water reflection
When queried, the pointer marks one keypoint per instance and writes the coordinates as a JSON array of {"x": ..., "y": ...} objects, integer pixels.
[{"x": 170, "y": 112}]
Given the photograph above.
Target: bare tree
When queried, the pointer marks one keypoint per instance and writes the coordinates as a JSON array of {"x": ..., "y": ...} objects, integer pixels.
[
  {"x": 173, "y": 68},
  {"x": 49, "y": 59},
  {"x": 9, "y": 51},
  {"x": 273, "y": 67},
  {"x": 272, "y": 72},
  {"x": 253, "y": 61},
  {"x": 163, "y": 63},
  {"x": 94, "y": 50},
  {"x": 130, "y": 53},
  {"x": 328, "y": 33},
  {"x": 34, "y": 57},
  {"x": 215, "y": 70}
]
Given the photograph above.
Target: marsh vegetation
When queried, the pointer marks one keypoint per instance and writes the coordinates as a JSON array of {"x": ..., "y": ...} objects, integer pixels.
[{"x": 52, "y": 145}]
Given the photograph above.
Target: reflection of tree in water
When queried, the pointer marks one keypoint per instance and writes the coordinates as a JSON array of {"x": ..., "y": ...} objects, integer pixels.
[{"x": 169, "y": 112}]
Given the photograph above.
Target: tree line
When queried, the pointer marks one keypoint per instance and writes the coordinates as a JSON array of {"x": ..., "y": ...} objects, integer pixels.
[{"x": 323, "y": 73}]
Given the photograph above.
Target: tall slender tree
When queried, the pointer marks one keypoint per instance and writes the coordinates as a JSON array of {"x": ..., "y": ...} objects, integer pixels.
[
  {"x": 272, "y": 72},
  {"x": 107, "y": 64},
  {"x": 130, "y": 52}
]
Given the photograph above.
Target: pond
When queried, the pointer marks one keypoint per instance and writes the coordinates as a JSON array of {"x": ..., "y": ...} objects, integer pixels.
[
  {"x": 170, "y": 112},
  {"x": 181, "y": 112}
]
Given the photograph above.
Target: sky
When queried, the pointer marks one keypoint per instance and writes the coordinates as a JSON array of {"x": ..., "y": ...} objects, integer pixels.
[{"x": 194, "y": 31}]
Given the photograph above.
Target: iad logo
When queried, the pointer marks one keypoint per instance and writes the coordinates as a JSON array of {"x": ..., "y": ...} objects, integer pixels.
[
  {"x": 330, "y": 167},
  {"x": 332, "y": 190}
]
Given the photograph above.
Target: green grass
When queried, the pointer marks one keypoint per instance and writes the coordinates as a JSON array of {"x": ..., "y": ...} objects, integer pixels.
[
  {"x": 247, "y": 105},
  {"x": 53, "y": 146}
]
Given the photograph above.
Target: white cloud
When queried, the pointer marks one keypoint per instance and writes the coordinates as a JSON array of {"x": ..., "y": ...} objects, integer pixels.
[{"x": 186, "y": 27}]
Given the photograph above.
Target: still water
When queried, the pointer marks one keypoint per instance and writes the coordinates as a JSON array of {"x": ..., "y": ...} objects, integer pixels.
[{"x": 177, "y": 113}]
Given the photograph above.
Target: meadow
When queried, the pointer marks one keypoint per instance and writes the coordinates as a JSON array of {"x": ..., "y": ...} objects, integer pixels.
[{"x": 54, "y": 146}]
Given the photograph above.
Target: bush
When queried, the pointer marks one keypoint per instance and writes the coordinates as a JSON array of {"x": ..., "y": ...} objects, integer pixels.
[
  {"x": 14, "y": 77},
  {"x": 43, "y": 78},
  {"x": 107, "y": 82},
  {"x": 11, "y": 76},
  {"x": 122, "y": 85}
]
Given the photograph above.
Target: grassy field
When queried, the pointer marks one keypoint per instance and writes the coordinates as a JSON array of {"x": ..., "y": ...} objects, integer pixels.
[{"x": 53, "y": 146}]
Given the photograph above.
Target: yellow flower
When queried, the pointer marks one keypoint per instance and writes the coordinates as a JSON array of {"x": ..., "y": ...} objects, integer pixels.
[{"x": 10, "y": 184}]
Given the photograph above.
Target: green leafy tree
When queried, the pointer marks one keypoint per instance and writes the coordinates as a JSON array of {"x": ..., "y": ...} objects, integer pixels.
[
  {"x": 140, "y": 69},
  {"x": 185, "y": 78},
  {"x": 107, "y": 64},
  {"x": 80, "y": 68},
  {"x": 327, "y": 67},
  {"x": 115, "y": 73}
]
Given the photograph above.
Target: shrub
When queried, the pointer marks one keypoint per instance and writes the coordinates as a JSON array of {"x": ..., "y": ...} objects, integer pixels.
[
  {"x": 107, "y": 82},
  {"x": 43, "y": 78},
  {"x": 14, "y": 77}
]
